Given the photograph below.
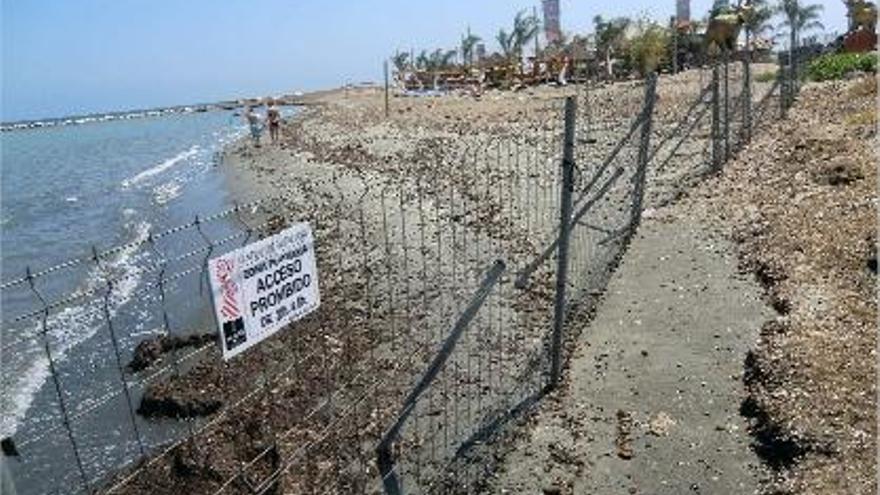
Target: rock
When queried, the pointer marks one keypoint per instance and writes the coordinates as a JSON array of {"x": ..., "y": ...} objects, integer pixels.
[
  {"x": 660, "y": 424},
  {"x": 8, "y": 447},
  {"x": 189, "y": 462},
  {"x": 854, "y": 74},
  {"x": 146, "y": 353},
  {"x": 551, "y": 490},
  {"x": 837, "y": 172},
  {"x": 624, "y": 435},
  {"x": 151, "y": 350},
  {"x": 161, "y": 401}
]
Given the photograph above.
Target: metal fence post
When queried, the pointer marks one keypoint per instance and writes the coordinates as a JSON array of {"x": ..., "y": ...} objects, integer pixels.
[
  {"x": 747, "y": 97},
  {"x": 716, "y": 118},
  {"x": 793, "y": 63},
  {"x": 674, "y": 24},
  {"x": 781, "y": 80},
  {"x": 564, "y": 235},
  {"x": 387, "y": 109},
  {"x": 726, "y": 121},
  {"x": 644, "y": 152}
]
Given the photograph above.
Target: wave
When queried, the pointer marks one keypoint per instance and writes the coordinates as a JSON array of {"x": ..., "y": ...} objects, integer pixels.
[
  {"x": 158, "y": 169},
  {"x": 166, "y": 192},
  {"x": 26, "y": 368}
]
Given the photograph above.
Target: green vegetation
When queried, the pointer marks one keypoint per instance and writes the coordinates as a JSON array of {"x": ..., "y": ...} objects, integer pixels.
[
  {"x": 468, "y": 43},
  {"x": 757, "y": 20},
  {"x": 720, "y": 7},
  {"x": 838, "y": 65},
  {"x": 625, "y": 46},
  {"x": 610, "y": 37},
  {"x": 439, "y": 59},
  {"x": 803, "y": 17},
  {"x": 766, "y": 77},
  {"x": 861, "y": 13},
  {"x": 525, "y": 29},
  {"x": 400, "y": 60},
  {"x": 648, "y": 48}
]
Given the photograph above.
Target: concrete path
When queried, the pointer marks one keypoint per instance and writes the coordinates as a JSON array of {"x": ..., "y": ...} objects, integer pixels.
[{"x": 654, "y": 388}]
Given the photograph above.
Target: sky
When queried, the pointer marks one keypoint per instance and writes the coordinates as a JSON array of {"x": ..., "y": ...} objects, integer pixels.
[{"x": 68, "y": 57}]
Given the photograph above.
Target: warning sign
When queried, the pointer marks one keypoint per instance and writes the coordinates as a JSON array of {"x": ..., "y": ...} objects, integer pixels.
[{"x": 261, "y": 287}]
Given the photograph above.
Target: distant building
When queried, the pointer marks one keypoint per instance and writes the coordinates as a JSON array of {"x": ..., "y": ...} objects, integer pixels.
[
  {"x": 551, "y": 20},
  {"x": 682, "y": 11},
  {"x": 481, "y": 51}
]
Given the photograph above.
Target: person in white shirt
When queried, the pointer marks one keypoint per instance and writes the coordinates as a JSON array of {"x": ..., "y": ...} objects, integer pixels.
[{"x": 253, "y": 121}]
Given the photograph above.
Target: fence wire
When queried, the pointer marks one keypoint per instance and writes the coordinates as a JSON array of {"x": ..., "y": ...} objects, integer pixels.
[{"x": 449, "y": 289}]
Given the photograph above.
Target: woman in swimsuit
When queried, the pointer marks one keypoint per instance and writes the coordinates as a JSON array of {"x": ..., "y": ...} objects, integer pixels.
[{"x": 273, "y": 117}]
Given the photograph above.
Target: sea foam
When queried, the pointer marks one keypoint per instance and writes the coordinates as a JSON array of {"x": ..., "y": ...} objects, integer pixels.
[
  {"x": 67, "y": 329},
  {"x": 158, "y": 169}
]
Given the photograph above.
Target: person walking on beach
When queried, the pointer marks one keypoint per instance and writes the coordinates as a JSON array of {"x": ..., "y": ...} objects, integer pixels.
[
  {"x": 253, "y": 121},
  {"x": 273, "y": 117}
]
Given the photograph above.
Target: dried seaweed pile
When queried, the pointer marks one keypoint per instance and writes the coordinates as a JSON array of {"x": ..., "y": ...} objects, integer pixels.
[{"x": 802, "y": 202}]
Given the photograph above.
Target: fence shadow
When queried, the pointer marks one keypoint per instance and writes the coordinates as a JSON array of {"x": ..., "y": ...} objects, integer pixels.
[{"x": 448, "y": 296}]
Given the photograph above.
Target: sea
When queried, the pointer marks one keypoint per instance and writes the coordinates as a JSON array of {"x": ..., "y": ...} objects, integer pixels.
[{"x": 67, "y": 191}]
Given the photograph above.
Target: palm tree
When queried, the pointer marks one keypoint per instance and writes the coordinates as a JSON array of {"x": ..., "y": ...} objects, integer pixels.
[
  {"x": 400, "y": 60},
  {"x": 525, "y": 28},
  {"x": 468, "y": 43},
  {"x": 610, "y": 37},
  {"x": 446, "y": 58},
  {"x": 437, "y": 60},
  {"x": 757, "y": 21},
  {"x": 423, "y": 60},
  {"x": 798, "y": 19},
  {"x": 505, "y": 41},
  {"x": 861, "y": 13},
  {"x": 719, "y": 7},
  {"x": 561, "y": 45}
]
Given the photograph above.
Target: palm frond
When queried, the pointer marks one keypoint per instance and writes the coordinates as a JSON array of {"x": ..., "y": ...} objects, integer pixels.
[
  {"x": 505, "y": 40},
  {"x": 467, "y": 47},
  {"x": 400, "y": 60}
]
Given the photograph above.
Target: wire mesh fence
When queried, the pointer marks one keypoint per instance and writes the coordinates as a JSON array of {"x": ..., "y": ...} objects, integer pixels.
[
  {"x": 517, "y": 316},
  {"x": 397, "y": 255},
  {"x": 118, "y": 297},
  {"x": 449, "y": 288}
]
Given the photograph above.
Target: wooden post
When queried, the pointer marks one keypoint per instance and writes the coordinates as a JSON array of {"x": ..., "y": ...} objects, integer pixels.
[
  {"x": 386, "y": 89},
  {"x": 674, "y": 46}
]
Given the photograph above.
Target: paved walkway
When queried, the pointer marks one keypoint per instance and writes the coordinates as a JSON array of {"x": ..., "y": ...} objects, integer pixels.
[{"x": 652, "y": 404}]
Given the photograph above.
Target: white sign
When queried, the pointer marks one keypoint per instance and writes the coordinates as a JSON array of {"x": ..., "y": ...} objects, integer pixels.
[{"x": 261, "y": 287}]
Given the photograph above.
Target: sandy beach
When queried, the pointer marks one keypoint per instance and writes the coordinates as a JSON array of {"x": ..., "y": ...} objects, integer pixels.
[
  {"x": 410, "y": 213},
  {"x": 753, "y": 386},
  {"x": 558, "y": 248}
]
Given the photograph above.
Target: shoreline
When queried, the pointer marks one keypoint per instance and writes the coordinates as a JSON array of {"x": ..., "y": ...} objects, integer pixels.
[
  {"x": 305, "y": 99},
  {"x": 345, "y": 149},
  {"x": 340, "y": 158}
]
